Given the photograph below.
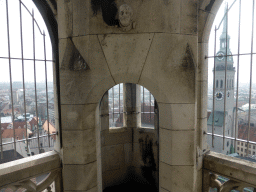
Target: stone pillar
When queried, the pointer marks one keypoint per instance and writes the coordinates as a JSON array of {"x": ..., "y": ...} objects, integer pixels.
[{"x": 132, "y": 105}]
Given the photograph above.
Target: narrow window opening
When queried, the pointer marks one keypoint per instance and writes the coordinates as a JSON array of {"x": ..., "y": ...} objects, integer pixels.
[{"x": 136, "y": 138}]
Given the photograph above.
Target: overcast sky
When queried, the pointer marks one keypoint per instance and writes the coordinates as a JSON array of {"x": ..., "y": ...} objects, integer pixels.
[
  {"x": 15, "y": 43},
  {"x": 245, "y": 38}
]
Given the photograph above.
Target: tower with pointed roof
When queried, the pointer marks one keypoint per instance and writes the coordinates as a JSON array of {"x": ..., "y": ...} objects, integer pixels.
[{"x": 223, "y": 94}]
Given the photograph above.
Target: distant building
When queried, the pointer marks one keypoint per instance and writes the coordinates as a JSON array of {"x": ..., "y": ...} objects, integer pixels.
[
  {"x": 241, "y": 147},
  {"x": 222, "y": 120}
]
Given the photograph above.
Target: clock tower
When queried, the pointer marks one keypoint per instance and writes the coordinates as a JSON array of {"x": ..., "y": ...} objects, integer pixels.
[
  {"x": 223, "y": 70},
  {"x": 224, "y": 61}
]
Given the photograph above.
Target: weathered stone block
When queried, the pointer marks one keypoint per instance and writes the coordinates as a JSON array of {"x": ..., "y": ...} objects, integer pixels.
[
  {"x": 188, "y": 23},
  {"x": 79, "y": 146},
  {"x": 114, "y": 138},
  {"x": 65, "y": 18},
  {"x": 176, "y": 178},
  {"x": 80, "y": 87},
  {"x": 177, "y": 147},
  {"x": 177, "y": 116},
  {"x": 81, "y": 14},
  {"x": 126, "y": 55},
  {"x": 80, "y": 177},
  {"x": 165, "y": 74},
  {"x": 112, "y": 157},
  {"x": 78, "y": 117}
]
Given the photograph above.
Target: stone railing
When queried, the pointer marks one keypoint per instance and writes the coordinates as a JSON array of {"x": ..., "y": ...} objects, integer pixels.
[
  {"x": 226, "y": 173},
  {"x": 37, "y": 173}
]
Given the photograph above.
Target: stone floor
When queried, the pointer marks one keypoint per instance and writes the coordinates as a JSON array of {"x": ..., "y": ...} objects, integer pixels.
[{"x": 131, "y": 186}]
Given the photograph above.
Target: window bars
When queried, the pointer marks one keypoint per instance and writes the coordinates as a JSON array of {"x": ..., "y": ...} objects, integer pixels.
[
  {"x": 116, "y": 109},
  {"x": 147, "y": 108},
  {"x": 37, "y": 134},
  {"x": 115, "y": 99},
  {"x": 228, "y": 84}
]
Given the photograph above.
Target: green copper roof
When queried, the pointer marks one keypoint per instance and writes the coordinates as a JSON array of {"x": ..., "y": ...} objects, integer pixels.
[{"x": 218, "y": 118}]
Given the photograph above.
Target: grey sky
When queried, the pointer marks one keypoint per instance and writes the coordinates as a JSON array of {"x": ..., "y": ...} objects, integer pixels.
[
  {"x": 245, "y": 41},
  {"x": 15, "y": 43}
]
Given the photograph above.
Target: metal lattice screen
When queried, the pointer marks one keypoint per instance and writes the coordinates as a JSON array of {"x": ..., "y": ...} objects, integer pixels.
[
  {"x": 116, "y": 107},
  {"x": 26, "y": 82},
  {"x": 232, "y": 80}
]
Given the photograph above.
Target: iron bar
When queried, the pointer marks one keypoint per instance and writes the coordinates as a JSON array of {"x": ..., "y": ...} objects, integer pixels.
[
  {"x": 15, "y": 58},
  {"x": 29, "y": 139},
  {"x": 34, "y": 56},
  {"x": 207, "y": 57},
  {"x": 23, "y": 74},
  {"x": 113, "y": 105},
  {"x": 150, "y": 105},
  {"x": 46, "y": 89},
  {"x": 119, "y": 99},
  {"x": 250, "y": 91},
  {"x": 1, "y": 138},
  {"x": 214, "y": 79},
  {"x": 225, "y": 14},
  {"x": 225, "y": 88},
  {"x": 31, "y": 14},
  {"x": 143, "y": 111},
  {"x": 231, "y": 138},
  {"x": 237, "y": 81},
  {"x": 10, "y": 74}
]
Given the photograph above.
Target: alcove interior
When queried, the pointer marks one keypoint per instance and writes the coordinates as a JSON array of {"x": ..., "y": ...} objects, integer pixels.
[{"x": 128, "y": 156}]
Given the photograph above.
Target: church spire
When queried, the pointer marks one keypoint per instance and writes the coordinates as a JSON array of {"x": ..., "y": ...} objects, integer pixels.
[
  {"x": 225, "y": 43},
  {"x": 225, "y": 20},
  {"x": 224, "y": 38}
]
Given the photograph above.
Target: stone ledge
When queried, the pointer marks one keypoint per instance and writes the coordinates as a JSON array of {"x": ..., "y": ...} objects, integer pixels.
[
  {"x": 26, "y": 168},
  {"x": 231, "y": 167}
]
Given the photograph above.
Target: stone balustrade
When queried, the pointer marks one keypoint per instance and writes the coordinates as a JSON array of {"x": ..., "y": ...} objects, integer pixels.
[
  {"x": 227, "y": 174},
  {"x": 37, "y": 173}
]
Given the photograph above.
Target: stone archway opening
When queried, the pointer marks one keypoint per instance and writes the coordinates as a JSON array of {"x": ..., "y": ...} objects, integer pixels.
[{"x": 129, "y": 147}]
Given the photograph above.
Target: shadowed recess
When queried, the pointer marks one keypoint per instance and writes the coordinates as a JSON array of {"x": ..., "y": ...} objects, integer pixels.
[{"x": 109, "y": 10}]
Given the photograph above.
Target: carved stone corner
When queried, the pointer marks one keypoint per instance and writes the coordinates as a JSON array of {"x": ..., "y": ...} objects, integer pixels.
[
  {"x": 210, "y": 181},
  {"x": 72, "y": 59},
  {"x": 188, "y": 59}
]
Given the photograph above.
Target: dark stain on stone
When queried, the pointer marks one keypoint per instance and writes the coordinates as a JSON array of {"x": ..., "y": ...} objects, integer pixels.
[
  {"x": 109, "y": 10},
  {"x": 187, "y": 69},
  {"x": 149, "y": 165},
  {"x": 72, "y": 59},
  {"x": 209, "y": 6},
  {"x": 188, "y": 61}
]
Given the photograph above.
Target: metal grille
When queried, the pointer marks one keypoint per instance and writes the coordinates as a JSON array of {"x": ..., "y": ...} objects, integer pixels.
[
  {"x": 147, "y": 108},
  {"x": 116, "y": 109},
  {"x": 115, "y": 98},
  {"x": 226, "y": 86},
  {"x": 27, "y": 57}
]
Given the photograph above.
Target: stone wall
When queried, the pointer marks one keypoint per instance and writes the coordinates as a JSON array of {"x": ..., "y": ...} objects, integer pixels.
[{"x": 162, "y": 50}]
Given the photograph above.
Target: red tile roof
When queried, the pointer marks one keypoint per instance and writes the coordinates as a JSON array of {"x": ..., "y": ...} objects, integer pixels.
[
  {"x": 243, "y": 132},
  {"x": 19, "y": 133},
  {"x": 51, "y": 129},
  {"x": 33, "y": 122},
  {"x": 4, "y": 125},
  {"x": 18, "y": 125}
]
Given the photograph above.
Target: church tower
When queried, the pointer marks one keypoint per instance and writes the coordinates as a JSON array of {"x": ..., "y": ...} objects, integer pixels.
[
  {"x": 220, "y": 62},
  {"x": 223, "y": 61}
]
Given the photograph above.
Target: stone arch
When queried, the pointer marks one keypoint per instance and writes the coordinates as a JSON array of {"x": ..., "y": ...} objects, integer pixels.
[
  {"x": 129, "y": 155},
  {"x": 168, "y": 71},
  {"x": 207, "y": 12}
]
